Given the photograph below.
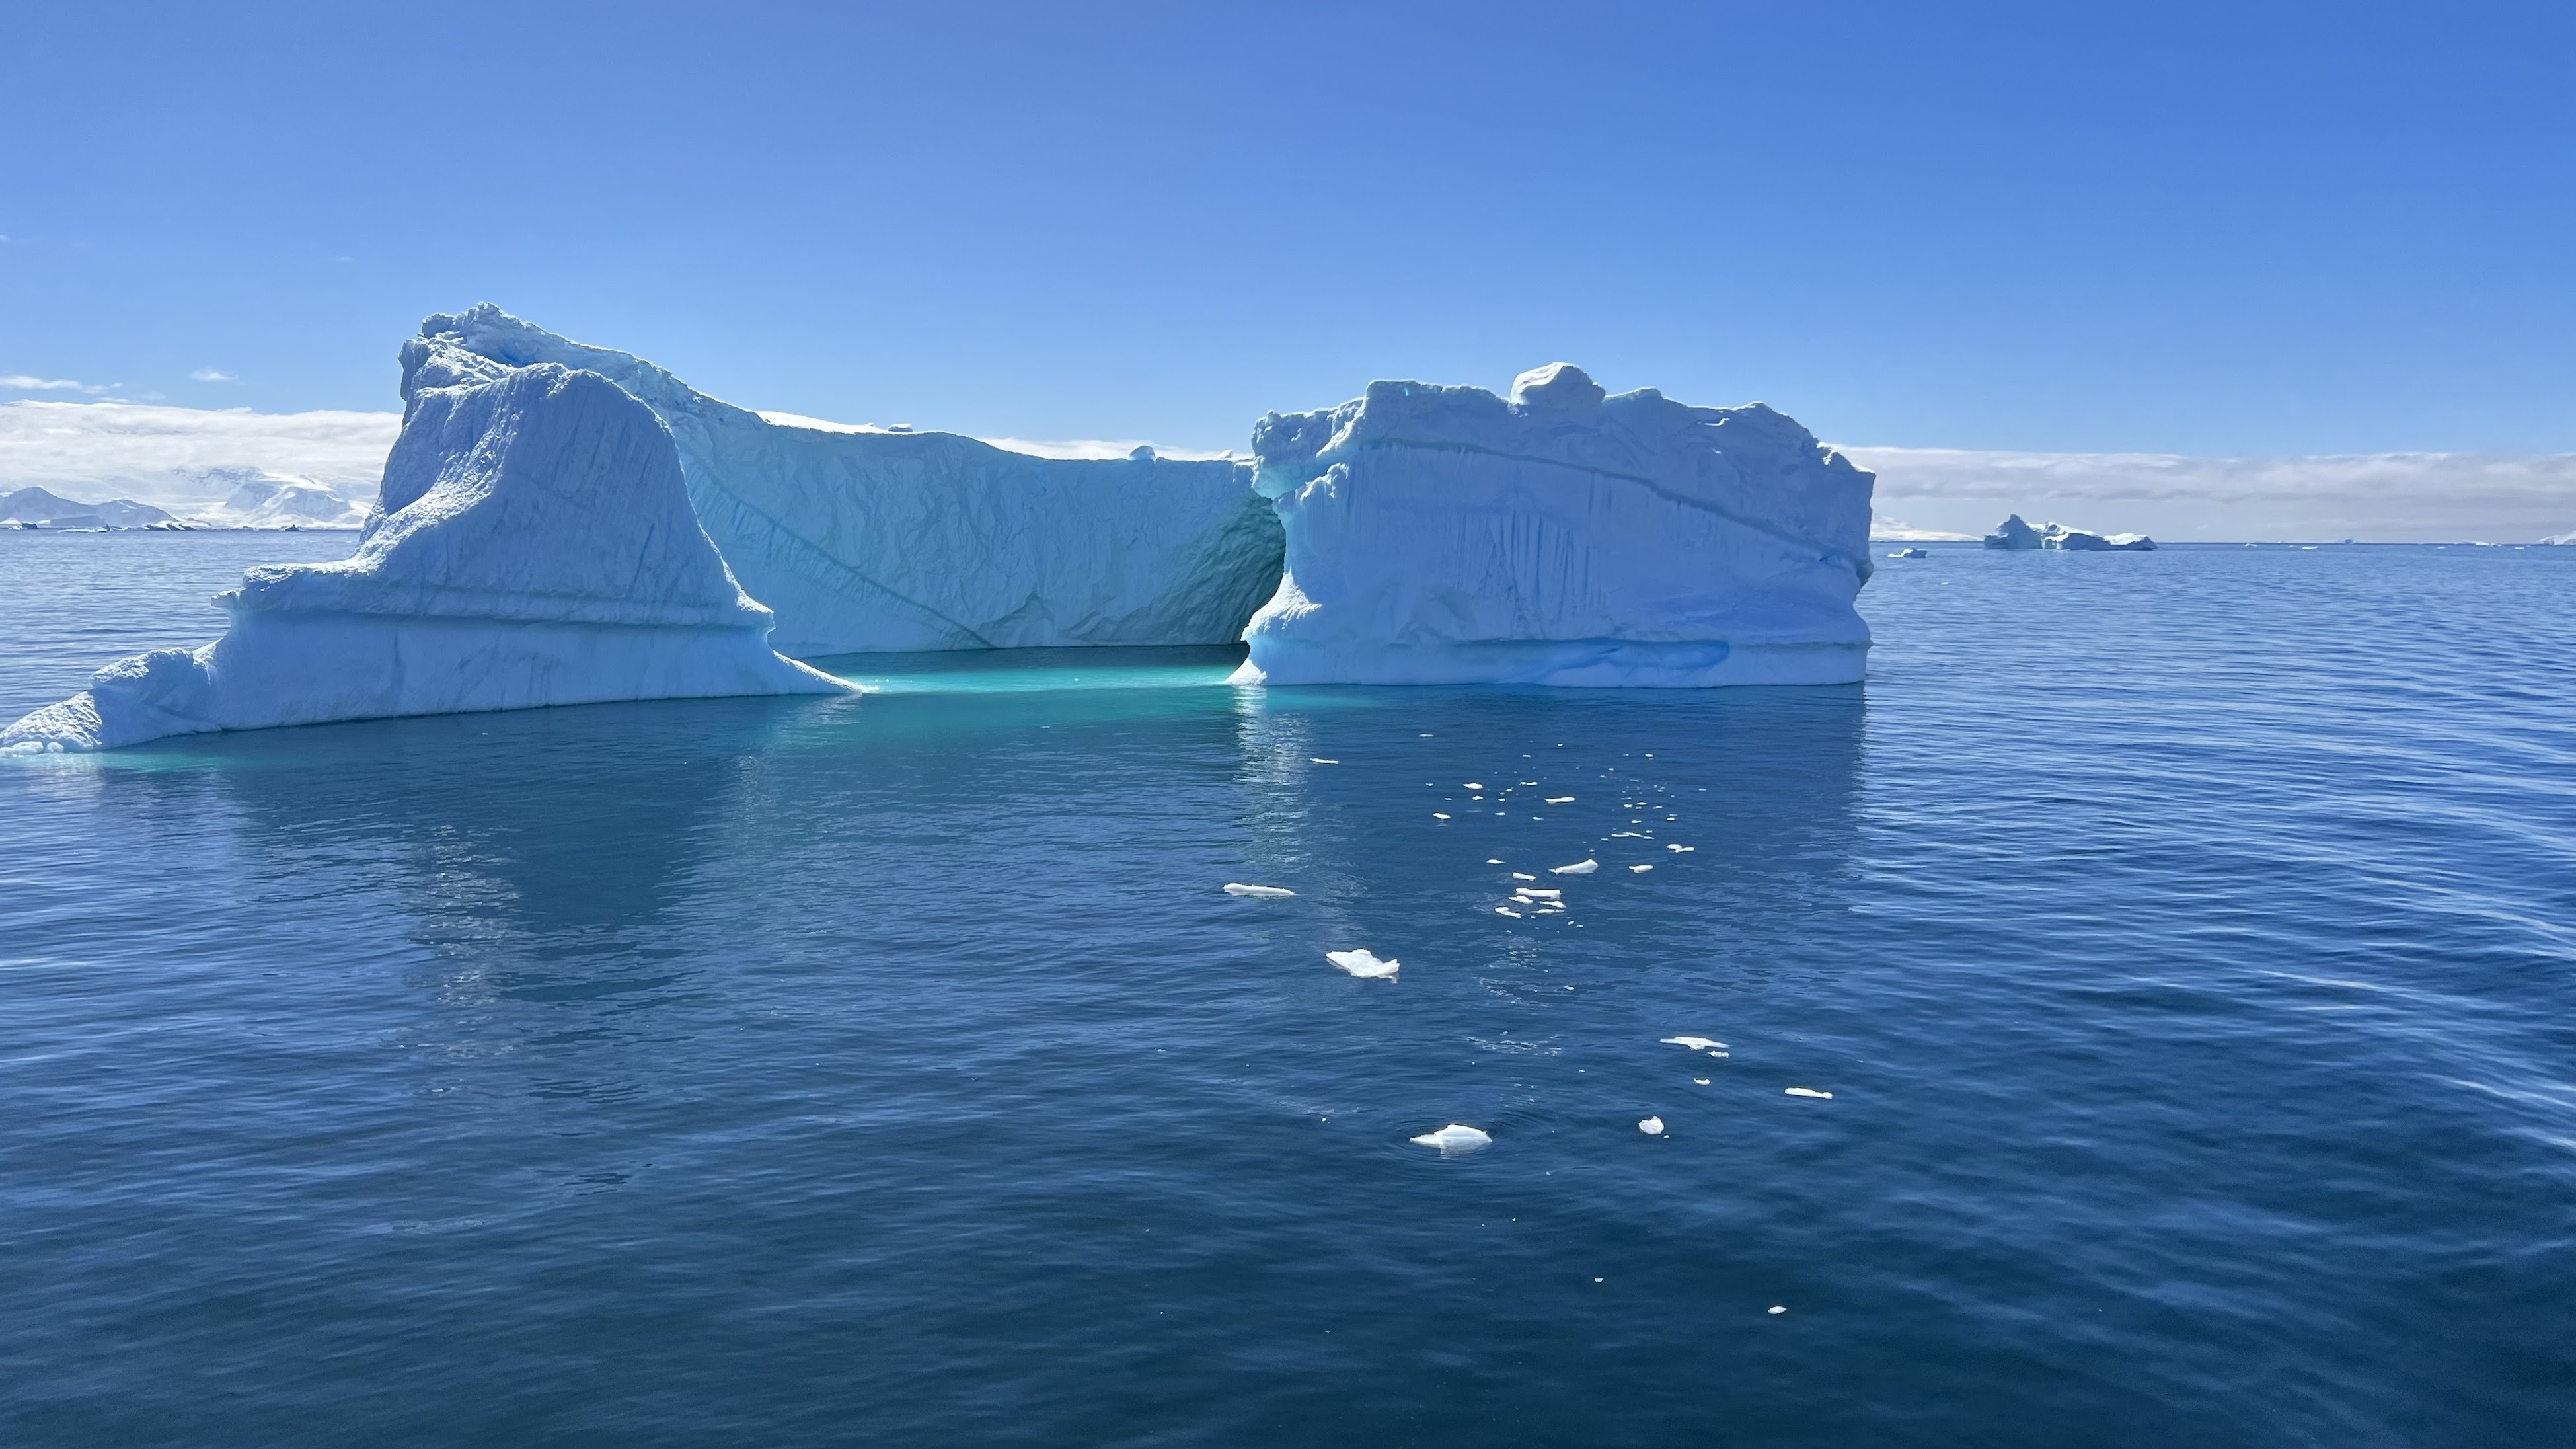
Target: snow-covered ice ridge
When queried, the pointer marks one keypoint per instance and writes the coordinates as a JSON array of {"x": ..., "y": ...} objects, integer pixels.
[
  {"x": 534, "y": 546},
  {"x": 876, "y": 539},
  {"x": 1443, "y": 535}
]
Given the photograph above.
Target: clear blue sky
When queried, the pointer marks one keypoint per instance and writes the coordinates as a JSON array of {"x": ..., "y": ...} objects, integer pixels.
[{"x": 2214, "y": 229}]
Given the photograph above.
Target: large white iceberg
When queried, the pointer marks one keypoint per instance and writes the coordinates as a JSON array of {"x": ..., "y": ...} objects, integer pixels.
[
  {"x": 534, "y": 546},
  {"x": 1443, "y": 535},
  {"x": 869, "y": 539},
  {"x": 2013, "y": 533}
]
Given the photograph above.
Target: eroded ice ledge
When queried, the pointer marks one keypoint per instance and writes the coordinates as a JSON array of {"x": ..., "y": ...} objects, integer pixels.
[
  {"x": 534, "y": 546},
  {"x": 1444, "y": 535}
]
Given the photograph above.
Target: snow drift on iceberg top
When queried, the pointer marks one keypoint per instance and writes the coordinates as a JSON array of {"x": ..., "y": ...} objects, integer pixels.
[
  {"x": 2013, "y": 533},
  {"x": 534, "y": 547},
  {"x": 1443, "y": 535},
  {"x": 882, "y": 539}
]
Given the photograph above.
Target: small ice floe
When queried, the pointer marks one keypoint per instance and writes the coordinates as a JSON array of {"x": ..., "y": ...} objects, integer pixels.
[
  {"x": 1473, "y": 785},
  {"x": 1320, "y": 760},
  {"x": 1455, "y": 1139},
  {"x": 1560, "y": 799},
  {"x": 1516, "y": 875},
  {"x": 1699, "y": 1081},
  {"x": 1808, "y": 1092},
  {"x": 1534, "y": 893},
  {"x": 1651, "y": 1126},
  {"x": 1436, "y": 815},
  {"x": 1682, "y": 849},
  {"x": 1779, "y": 1307},
  {"x": 1507, "y": 911},
  {"x": 1264, "y": 893},
  {"x": 1364, "y": 964},
  {"x": 1641, "y": 869},
  {"x": 1580, "y": 867},
  {"x": 1695, "y": 1043},
  {"x": 1497, "y": 862},
  {"x": 1632, "y": 835}
]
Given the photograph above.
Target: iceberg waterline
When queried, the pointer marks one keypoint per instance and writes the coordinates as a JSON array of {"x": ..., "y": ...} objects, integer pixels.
[{"x": 534, "y": 546}]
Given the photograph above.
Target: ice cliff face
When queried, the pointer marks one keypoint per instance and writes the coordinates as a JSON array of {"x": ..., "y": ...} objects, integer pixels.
[
  {"x": 870, "y": 539},
  {"x": 1443, "y": 535},
  {"x": 535, "y": 546},
  {"x": 2013, "y": 533}
]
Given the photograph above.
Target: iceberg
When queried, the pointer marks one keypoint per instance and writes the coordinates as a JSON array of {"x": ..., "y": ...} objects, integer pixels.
[
  {"x": 2013, "y": 533},
  {"x": 1444, "y": 535},
  {"x": 876, "y": 539},
  {"x": 534, "y": 547}
]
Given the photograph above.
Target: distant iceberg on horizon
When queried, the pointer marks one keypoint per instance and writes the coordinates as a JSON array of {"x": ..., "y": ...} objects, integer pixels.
[
  {"x": 2013, "y": 533},
  {"x": 877, "y": 540},
  {"x": 534, "y": 546},
  {"x": 1445, "y": 535}
]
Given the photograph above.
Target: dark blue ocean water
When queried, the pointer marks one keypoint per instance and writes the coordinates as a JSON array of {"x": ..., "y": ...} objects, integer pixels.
[{"x": 2188, "y": 941}]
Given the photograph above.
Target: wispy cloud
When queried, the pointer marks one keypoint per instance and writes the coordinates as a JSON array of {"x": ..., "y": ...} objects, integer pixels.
[
  {"x": 21, "y": 382},
  {"x": 2393, "y": 497},
  {"x": 208, "y": 374},
  {"x": 110, "y": 449}
]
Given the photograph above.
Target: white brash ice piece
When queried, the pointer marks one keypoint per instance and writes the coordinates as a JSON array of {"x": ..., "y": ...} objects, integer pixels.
[
  {"x": 1651, "y": 1126},
  {"x": 1695, "y": 1043},
  {"x": 1266, "y": 893},
  {"x": 1364, "y": 964},
  {"x": 1641, "y": 869},
  {"x": 1455, "y": 1139},
  {"x": 1580, "y": 867},
  {"x": 1808, "y": 1092}
]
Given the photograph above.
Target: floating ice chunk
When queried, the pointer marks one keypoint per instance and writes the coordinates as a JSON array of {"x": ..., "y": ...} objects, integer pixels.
[
  {"x": 1911, "y": 553},
  {"x": 1455, "y": 1139},
  {"x": 1702, "y": 1081},
  {"x": 1363, "y": 964},
  {"x": 1808, "y": 1092},
  {"x": 1473, "y": 785},
  {"x": 1695, "y": 1043},
  {"x": 1641, "y": 869},
  {"x": 1580, "y": 867},
  {"x": 1652, "y": 1126},
  {"x": 1534, "y": 893},
  {"x": 1516, "y": 875},
  {"x": 1266, "y": 893},
  {"x": 1320, "y": 760},
  {"x": 1507, "y": 911},
  {"x": 1683, "y": 849},
  {"x": 1560, "y": 799},
  {"x": 1436, "y": 815},
  {"x": 1779, "y": 1308}
]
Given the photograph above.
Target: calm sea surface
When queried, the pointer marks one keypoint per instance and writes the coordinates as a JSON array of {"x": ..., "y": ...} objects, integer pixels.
[{"x": 2187, "y": 940}]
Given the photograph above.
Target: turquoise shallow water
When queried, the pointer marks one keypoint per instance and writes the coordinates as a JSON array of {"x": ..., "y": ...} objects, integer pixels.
[{"x": 2188, "y": 941}]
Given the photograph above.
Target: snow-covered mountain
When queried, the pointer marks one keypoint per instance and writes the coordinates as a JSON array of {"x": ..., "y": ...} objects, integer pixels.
[
  {"x": 52, "y": 510},
  {"x": 258, "y": 498}
]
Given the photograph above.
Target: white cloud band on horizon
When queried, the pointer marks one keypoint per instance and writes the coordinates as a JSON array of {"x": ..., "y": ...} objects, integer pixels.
[
  {"x": 148, "y": 452},
  {"x": 2380, "y": 497},
  {"x": 98, "y": 450}
]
